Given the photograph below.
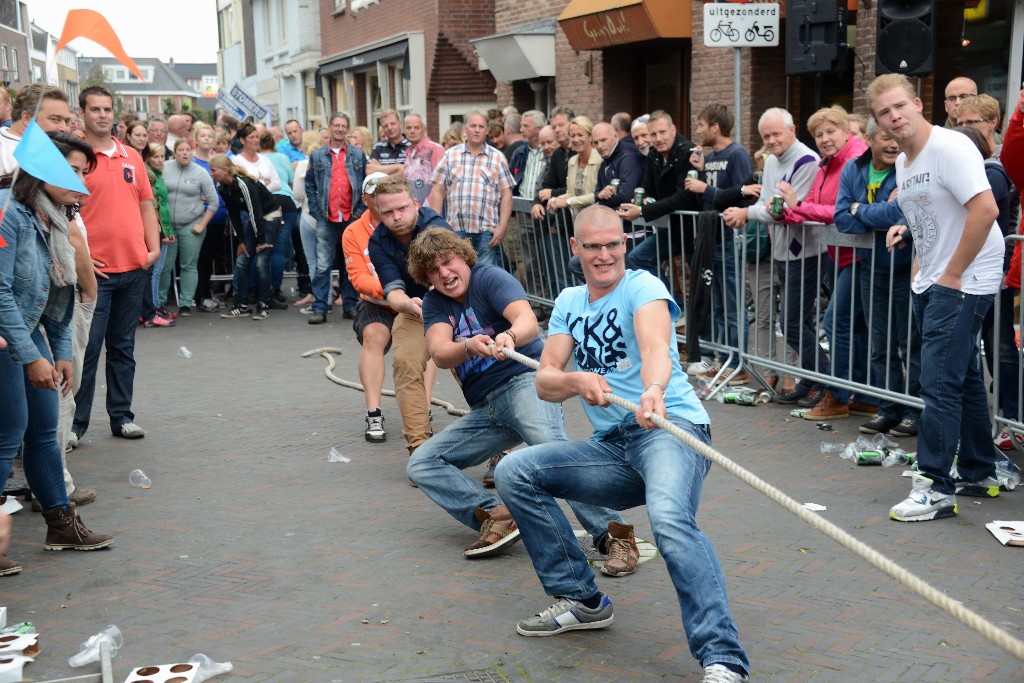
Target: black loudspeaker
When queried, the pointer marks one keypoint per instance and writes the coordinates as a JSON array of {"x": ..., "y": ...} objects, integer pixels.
[
  {"x": 905, "y": 41},
  {"x": 815, "y": 36}
]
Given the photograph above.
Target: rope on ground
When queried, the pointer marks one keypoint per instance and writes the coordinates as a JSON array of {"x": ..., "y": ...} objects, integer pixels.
[
  {"x": 964, "y": 615},
  {"x": 329, "y": 352}
]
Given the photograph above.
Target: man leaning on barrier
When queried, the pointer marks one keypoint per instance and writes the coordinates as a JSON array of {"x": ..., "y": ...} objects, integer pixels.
[{"x": 618, "y": 330}]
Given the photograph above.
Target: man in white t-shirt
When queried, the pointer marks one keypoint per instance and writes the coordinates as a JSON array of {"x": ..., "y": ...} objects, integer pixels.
[{"x": 951, "y": 213}]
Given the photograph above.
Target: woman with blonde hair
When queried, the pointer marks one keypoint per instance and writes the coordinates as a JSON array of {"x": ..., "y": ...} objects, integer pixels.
[
  {"x": 248, "y": 202},
  {"x": 844, "y": 317},
  {"x": 360, "y": 137},
  {"x": 581, "y": 180}
]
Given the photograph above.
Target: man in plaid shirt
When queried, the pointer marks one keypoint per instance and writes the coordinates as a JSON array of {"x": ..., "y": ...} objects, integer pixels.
[{"x": 475, "y": 179}]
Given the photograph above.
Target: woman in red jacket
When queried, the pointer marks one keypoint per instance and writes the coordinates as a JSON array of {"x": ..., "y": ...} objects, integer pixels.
[{"x": 844, "y": 319}]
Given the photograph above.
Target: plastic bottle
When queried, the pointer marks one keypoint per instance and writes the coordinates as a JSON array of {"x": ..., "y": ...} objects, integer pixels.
[
  {"x": 703, "y": 388},
  {"x": 1007, "y": 474},
  {"x": 897, "y": 457},
  {"x": 832, "y": 447},
  {"x": 184, "y": 352}
]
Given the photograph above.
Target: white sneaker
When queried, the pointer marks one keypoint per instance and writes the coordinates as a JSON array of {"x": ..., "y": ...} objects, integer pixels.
[
  {"x": 923, "y": 504},
  {"x": 716, "y": 673},
  {"x": 694, "y": 369},
  {"x": 10, "y": 504},
  {"x": 130, "y": 430}
]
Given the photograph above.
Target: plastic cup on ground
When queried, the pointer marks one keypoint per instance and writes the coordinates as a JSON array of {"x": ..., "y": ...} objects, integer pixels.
[{"x": 138, "y": 478}]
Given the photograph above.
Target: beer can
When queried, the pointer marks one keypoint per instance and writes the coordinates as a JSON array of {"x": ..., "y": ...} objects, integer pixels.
[
  {"x": 614, "y": 183},
  {"x": 745, "y": 398},
  {"x": 692, "y": 175},
  {"x": 638, "y": 196},
  {"x": 870, "y": 457},
  {"x": 778, "y": 205}
]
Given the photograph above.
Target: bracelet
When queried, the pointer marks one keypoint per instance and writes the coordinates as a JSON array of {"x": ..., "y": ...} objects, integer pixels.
[
  {"x": 659, "y": 385},
  {"x": 465, "y": 345},
  {"x": 512, "y": 334}
]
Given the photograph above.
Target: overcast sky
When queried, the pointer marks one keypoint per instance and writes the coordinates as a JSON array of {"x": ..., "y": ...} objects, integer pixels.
[{"x": 183, "y": 29}]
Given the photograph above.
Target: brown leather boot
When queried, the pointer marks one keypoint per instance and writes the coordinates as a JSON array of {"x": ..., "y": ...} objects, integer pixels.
[
  {"x": 8, "y": 566},
  {"x": 623, "y": 555},
  {"x": 66, "y": 531}
]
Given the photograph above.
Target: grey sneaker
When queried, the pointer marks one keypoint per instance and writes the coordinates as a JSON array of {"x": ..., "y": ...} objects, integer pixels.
[
  {"x": 375, "y": 428},
  {"x": 986, "y": 488},
  {"x": 567, "y": 615},
  {"x": 716, "y": 673},
  {"x": 72, "y": 441},
  {"x": 237, "y": 312},
  {"x": 923, "y": 504},
  {"x": 130, "y": 430}
]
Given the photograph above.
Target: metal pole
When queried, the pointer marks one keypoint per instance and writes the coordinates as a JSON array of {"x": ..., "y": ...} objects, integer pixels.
[{"x": 737, "y": 133}]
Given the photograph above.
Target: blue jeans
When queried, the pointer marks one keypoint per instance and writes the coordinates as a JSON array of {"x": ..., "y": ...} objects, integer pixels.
[
  {"x": 895, "y": 342},
  {"x": 630, "y": 467},
  {"x": 243, "y": 261},
  {"x": 510, "y": 415},
  {"x": 801, "y": 283},
  {"x": 282, "y": 245},
  {"x": 484, "y": 251},
  {"x": 157, "y": 271},
  {"x": 327, "y": 235},
  {"x": 30, "y": 415},
  {"x": 846, "y": 330},
  {"x": 725, "y": 299},
  {"x": 953, "y": 387},
  {"x": 118, "y": 304}
]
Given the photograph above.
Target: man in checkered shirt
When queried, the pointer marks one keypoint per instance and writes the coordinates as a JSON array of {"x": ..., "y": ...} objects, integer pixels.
[{"x": 475, "y": 179}]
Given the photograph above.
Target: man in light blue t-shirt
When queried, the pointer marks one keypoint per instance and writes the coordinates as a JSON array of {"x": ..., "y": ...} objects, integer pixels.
[{"x": 617, "y": 328}]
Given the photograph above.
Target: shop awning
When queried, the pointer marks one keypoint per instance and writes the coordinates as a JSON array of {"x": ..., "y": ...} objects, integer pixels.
[
  {"x": 596, "y": 24},
  {"x": 369, "y": 57},
  {"x": 525, "y": 52}
]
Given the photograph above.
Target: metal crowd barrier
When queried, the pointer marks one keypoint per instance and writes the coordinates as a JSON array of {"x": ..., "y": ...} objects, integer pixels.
[
  {"x": 746, "y": 325},
  {"x": 1006, "y": 367}
]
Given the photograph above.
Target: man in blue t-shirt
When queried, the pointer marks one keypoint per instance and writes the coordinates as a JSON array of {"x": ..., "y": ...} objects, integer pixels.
[
  {"x": 472, "y": 308},
  {"x": 617, "y": 328}
]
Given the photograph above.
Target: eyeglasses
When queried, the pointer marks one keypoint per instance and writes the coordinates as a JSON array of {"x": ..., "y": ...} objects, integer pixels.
[
  {"x": 596, "y": 248},
  {"x": 957, "y": 98},
  {"x": 969, "y": 122}
]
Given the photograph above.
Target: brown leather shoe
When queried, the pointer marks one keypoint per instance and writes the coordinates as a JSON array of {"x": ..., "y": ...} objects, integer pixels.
[
  {"x": 623, "y": 555},
  {"x": 496, "y": 533},
  {"x": 8, "y": 566},
  {"x": 828, "y": 408}
]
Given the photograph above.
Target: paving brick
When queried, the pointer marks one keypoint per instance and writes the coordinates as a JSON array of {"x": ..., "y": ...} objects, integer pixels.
[{"x": 252, "y": 548}]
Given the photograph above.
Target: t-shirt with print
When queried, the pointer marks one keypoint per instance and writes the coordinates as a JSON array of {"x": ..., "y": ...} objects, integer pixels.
[
  {"x": 875, "y": 180},
  {"x": 420, "y": 162},
  {"x": 947, "y": 173},
  {"x": 605, "y": 343},
  {"x": 490, "y": 291}
]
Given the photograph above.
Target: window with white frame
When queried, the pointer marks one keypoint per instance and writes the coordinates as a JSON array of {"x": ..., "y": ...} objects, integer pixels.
[
  {"x": 141, "y": 104},
  {"x": 274, "y": 23},
  {"x": 3, "y": 58},
  {"x": 120, "y": 74},
  {"x": 14, "y": 63}
]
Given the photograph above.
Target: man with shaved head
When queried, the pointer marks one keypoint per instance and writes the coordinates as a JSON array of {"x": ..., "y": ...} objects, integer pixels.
[
  {"x": 621, "y": 160},
  {"x": 957, "y": 90}
]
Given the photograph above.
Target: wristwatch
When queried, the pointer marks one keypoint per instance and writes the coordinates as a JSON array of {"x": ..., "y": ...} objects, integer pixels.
[{"x": 853, "y": 208}]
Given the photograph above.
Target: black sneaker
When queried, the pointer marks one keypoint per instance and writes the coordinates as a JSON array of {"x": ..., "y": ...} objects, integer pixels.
[
  {"x": 279, "y": 297},
  {"x": 262, "y": 312},
  {"x": 237, "y": 312},
  {"x": 184, "y": 311},
  {"x": 906, "y": 427},
  {"x": 791, "y": 397},
  {"x": 317, "y": 318},
  {"x": 879, "y": 424},
  {"x": 375, "y": 428}
]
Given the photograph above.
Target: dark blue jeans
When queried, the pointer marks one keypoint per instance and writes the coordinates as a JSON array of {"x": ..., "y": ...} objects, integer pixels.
[
  {"x": 847, "y": 332},
  {"x": 30, "y": 415},
  {"x": 895, "y": 341},
  {"x": 801, "y": 283},
  {"x": 118, "y": 305},
  {"x": 726, "y": 302},
  {"x": 244, "y": 261},
  {"x": 953, "y": 387},
  {"x": 282, "y": 245}
]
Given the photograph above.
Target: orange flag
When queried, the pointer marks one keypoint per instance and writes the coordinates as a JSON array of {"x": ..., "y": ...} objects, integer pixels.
[{"x": 87, "y": 23}]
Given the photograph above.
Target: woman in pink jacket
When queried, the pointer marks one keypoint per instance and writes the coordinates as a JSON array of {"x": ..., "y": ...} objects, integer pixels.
[{"x": 844, "y": 319}]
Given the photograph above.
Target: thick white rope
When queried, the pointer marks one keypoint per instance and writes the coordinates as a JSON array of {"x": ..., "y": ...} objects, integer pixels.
[{"x": 964, "y": 615}]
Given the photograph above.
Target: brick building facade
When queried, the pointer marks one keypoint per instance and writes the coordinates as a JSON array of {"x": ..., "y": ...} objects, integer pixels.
[
  {"x": 409, "y": 56},
  {"x": 633, "y": 76}
]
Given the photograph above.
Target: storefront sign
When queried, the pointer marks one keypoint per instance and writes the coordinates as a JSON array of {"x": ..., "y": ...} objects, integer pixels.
[
  {"x": 592, "y": 26},
  {"x": 741, "y": 25}
]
